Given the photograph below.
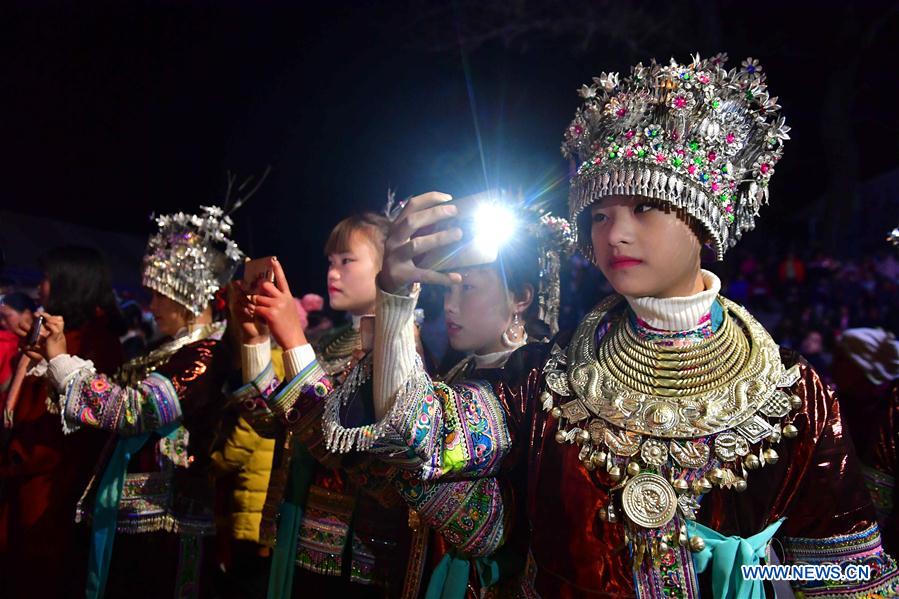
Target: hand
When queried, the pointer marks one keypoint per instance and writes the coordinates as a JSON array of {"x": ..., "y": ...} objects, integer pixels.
[
  {"x": 52, "y": 339},
  {"x": 56, "y": 339},
  {"x": 274, "y": 303},
  {"x": 400, "y": 248},
  {"x": 253, "y": 330}
]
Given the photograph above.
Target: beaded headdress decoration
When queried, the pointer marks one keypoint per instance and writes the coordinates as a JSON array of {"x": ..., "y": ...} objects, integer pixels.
[
  {"x": 191, "y": 256},
  {"x": 697, "y": 136}
]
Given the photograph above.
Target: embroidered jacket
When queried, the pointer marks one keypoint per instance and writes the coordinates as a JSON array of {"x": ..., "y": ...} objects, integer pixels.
[
  {"x": 546, "y": 504},
  {"x": 353, "y": 522},
  {"x": 174, "y": 395}
]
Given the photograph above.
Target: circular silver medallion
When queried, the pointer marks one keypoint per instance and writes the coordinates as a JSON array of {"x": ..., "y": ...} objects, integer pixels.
[
  {"x": 649, "y": 501},
  {"x": 654, "y": 452}
]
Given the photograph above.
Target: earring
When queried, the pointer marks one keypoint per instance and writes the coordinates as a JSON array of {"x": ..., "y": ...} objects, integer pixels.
[{"x": 515, "y": 335}]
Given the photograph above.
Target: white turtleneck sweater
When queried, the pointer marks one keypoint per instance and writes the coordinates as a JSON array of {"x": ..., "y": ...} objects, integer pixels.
[{"x": 677, "y": 313}]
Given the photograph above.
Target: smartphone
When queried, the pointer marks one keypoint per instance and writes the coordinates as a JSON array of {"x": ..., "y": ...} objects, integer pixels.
[
  {"x": 34, "y": 335},
  {"x": 256, "y": 271},
  {"x": 482, "y": 220}
]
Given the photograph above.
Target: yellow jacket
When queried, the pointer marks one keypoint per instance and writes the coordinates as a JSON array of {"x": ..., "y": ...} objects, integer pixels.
[
  {"x": 245, "y": 461},
  {"x": 248, "y": 457}
]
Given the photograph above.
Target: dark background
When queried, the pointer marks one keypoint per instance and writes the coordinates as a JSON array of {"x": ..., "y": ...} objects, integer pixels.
[{"x": 112, "y": 111}]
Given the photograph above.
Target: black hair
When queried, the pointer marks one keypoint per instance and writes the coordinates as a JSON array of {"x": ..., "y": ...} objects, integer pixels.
[
  {"x": 519, "y": 265},
  {"x": 18, "y": 301},
  {"x": 131, "y": 314},
  {"x": 80, "y": 283}
]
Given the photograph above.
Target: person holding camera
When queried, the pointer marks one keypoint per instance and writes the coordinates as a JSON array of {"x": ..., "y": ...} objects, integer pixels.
[
  {"x": 43, "y": 471},
  {"x": 335, "y": 525},
  {"x": 150, "y": 503}
]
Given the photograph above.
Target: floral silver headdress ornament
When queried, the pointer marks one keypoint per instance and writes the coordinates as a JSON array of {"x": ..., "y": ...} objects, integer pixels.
[
  {"x": 191, "y": 256},
  {"x": 557, "y": 240},
  {"x": 698, "y": 136}
]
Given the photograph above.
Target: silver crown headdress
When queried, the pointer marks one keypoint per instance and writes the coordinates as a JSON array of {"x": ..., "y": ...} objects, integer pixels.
[
  {"x": 191, "y": 256},
  {"x": 698, "y": 136}
]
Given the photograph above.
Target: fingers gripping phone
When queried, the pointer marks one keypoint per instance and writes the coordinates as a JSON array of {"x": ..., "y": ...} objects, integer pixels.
[
  {"x": 255, "y": 272},
  {"x": 34, "y": 335},
  {"x": 485, "y": 223}
]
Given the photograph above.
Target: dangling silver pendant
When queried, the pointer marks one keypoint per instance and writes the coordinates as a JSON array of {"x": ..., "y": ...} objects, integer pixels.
[{"x": 649, "y": 501}]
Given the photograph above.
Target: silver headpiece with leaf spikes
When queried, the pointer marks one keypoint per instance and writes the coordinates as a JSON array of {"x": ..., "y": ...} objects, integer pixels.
[
  {"x": 191, "y": 256},
  {"x": 698, "y": 136}
]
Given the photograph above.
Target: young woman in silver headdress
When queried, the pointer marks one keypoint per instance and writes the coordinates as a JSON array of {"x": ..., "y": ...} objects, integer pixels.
[
  {"x": 664, "y": 443},
  {"x": 152, "y": 485}
]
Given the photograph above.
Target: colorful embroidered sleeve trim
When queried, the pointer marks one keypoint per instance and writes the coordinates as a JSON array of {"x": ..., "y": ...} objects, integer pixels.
[
  {"x": 443, "y": 430},
  {"x": 260, "y": 387},
  {"x": 311, "y": 385},
  {"x": 476, "y": 436},
  {"x": 468, "y": 513},
  {"x": 92, "y": 400},
  {"x": 862, "y": 548}
]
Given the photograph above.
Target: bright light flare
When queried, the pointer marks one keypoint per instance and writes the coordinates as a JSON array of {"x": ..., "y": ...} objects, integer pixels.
[{"x": 494, "y": 225}]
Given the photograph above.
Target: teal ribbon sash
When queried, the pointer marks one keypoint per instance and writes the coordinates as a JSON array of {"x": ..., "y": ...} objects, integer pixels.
[
  {"x": 281, "y": 573},
  {"x": 106, "y": 509},
  {"x": 450, "y": 578},
  {"x": 726, "y": 556}
]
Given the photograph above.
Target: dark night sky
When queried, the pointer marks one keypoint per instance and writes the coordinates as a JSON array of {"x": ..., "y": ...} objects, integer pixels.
[{"x": 114, "y": 110}]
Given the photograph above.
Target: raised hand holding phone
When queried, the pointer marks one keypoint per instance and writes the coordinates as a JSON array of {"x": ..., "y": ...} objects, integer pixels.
[
  {"x": 486, "y": 223},
  {"x": 46, "y": 339},
  {"x": 253, "y": 329},
  {"x": 274, "y": 304},
  {"x": 402, "y": 247},
  {"x": 257, "y": 271}
]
